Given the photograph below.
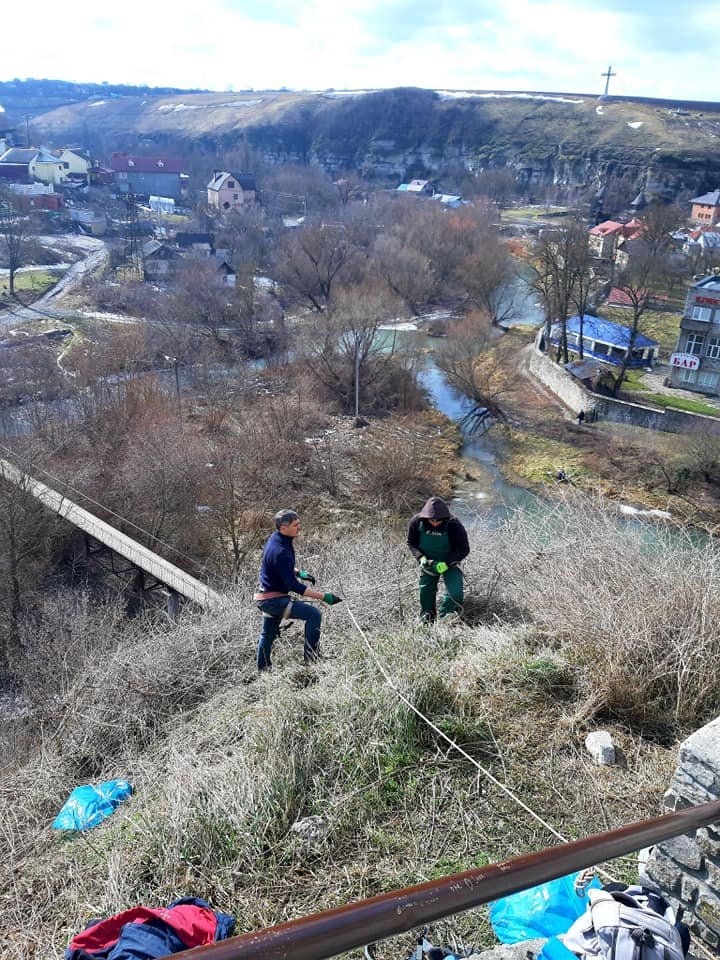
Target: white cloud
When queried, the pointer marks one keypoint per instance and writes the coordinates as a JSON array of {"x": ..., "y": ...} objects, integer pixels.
[{"x": 523, "y": 44}]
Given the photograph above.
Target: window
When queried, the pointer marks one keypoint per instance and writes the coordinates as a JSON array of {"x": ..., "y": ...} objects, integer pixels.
[
  {"x": 688, "y": 376},
  {"x": 231, "y": 184},
  {"x": 707, "y": 379},
  {"x": 700, "y": 313},
  {"x": 235, "y": 196},
  {"x": 602, "y": 348},
  {"x": 713, "y": 348},
  {"x": 694, "y": 344}
]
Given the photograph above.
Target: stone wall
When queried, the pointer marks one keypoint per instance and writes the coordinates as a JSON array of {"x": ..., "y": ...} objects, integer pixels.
[
  {"x": 686, "y": 869},
  {"x": 572, "y": 393},
  {"x": 599, "y": 407}
]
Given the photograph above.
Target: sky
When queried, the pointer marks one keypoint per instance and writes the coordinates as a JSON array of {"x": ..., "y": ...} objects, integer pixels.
[{"x": 657, "y": 48}]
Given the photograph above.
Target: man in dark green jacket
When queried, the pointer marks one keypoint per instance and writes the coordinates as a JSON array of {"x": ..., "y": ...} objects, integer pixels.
[{"x": 439, "y": 543}]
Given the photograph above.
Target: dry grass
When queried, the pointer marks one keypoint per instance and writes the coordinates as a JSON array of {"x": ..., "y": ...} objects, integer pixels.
[{"x": 224, "y": 764}]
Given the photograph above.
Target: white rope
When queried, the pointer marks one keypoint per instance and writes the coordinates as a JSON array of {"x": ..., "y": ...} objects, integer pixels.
[{"x": 456, "y": 746}]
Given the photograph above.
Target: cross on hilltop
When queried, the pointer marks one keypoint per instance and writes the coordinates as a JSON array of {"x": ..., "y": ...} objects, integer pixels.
[{"x": 607, "y": 76}]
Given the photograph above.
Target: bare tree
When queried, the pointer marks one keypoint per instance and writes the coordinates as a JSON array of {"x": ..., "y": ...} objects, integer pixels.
[
  {"x": 486, "y": 275},
  {"x": 638, "y": 281},
  {"x": 312, "y": 261},
  {"x": 474, "y": 363},
  {"x": 561, "y": 277},
  {"x": 408, "y": 273},
  {"x": 660, "y": 221},
  {"x": 25, "y": 528},
  {"x": 15, "y": 231}
]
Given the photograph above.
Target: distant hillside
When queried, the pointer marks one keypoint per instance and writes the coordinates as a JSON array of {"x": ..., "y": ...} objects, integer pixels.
[
  {"x": 544, "y": 138},
  {"x": 31, "y": 98}
]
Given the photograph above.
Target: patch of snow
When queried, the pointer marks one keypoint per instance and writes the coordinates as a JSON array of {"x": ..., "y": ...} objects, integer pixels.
[
  {"x": 175, "y": 107},
  {"x": 97, "y": 103},
  {"x": 2, "y": 108},
  {"x": 636, "y": 512},
  {"x": 241, "y": 103},
  {"x": 599, "y": 110},
  {"x": 343, "y": 93},
  {"x": 455, "y": 94},
  {"x": 635, "y": 124},
  {"x": 400, "y": 325}
]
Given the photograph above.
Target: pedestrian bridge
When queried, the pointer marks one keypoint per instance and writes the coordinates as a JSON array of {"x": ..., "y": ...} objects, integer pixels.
[{"x": 176, "y": 580}]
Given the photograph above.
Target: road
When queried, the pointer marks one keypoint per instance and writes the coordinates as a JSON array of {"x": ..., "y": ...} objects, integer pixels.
[{"x": 47, "y": 307}]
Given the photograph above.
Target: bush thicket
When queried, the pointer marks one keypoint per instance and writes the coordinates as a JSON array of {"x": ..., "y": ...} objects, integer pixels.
[{"x": 571, "y": 618}]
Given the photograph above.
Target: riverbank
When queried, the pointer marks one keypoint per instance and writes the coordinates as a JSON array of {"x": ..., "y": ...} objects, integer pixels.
[{"x": 641, "y": 468}]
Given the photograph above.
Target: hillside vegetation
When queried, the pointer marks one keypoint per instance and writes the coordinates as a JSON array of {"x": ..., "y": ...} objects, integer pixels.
[
  {"x": 571, "y": 622},
  {"x": 571, "y": 138}
]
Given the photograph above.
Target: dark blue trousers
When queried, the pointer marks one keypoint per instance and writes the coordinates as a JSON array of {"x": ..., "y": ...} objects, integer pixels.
[{"x": 271, "y": 626}]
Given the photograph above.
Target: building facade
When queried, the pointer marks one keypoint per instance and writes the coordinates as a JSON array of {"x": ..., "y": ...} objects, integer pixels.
[
  {"x": 706, "y": 209},
  {"x": 146, "y": 176},
  {"x": 230, "y": 191},
  {"x": 696, "y": 360},
  {"x": 607, "y": 342},
  {"x": 25, "y": 164},
  {"x": 75, "y": 165}
]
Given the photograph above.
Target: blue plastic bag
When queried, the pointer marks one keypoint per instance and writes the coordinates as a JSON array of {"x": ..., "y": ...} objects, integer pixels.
[
  {"x": 541, "y": 911},
  {"x": 88, "y": 806}
]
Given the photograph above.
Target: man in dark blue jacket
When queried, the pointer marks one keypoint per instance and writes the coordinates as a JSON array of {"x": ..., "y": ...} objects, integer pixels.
[{"x": 279, "y": 577}]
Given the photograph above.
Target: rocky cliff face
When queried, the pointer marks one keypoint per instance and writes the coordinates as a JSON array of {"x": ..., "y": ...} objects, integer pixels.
[{"x": 545, "y": 138}]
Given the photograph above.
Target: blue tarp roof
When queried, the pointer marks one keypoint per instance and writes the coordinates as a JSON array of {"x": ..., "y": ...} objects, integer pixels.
[{"x": 606, "y": 331}]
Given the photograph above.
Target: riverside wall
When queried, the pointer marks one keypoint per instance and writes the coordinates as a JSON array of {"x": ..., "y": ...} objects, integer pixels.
[
  {"x": 686, "y": 869},
  {"x": 599, "y": 407}
]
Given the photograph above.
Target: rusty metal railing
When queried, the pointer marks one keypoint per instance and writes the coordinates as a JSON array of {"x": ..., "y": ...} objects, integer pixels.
[{"x": 367, "y": 921}]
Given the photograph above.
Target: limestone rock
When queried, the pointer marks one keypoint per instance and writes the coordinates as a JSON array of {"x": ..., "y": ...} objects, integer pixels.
[{"x": 601, "y": 747}]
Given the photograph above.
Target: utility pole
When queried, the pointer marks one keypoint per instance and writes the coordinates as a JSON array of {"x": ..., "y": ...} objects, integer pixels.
[
  {"x": 133, "y": 267},
  {"x": 357, "y": 381},
  {"x": 607, "y": 79}
]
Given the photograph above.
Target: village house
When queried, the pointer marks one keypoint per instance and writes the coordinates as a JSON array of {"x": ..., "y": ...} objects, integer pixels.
[
  {"x": 231, "y": 191},
  {"x": 199, "y": 244},
  {"x": 100, "y": 176},
  {"x": 607, "y": 342},
  {"x": 160, "y": 261},
  {"x": 696, "y": 360},
  {"x": 75, "y": 164},
  {"x": 699, "y": 240},
  {"x": 25, "y": 164},
  {"x": 609, "y": 237},
  {"x": 706, "y": 209},
  {"x": 146, "y": 176},
  {"x": 420, "y": 188}
]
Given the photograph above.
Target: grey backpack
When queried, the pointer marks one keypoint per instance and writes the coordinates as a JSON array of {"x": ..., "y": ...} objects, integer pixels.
[{"x": 632, "y": 924}]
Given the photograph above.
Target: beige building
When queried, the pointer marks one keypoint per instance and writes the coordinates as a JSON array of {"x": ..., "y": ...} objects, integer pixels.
[
  {"x": 32, "y": 164},
  {"x": 230, "y": 191},
  {"x": 74, "y": 164}
]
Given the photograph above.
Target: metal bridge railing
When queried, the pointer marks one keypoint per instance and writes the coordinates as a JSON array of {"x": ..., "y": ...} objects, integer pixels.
[{"x": 367, "y": 921}]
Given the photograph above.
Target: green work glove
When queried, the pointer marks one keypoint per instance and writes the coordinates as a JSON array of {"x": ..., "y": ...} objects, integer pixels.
[
  {"x": 330, "y": 599},
  {"x": 304, "y": 575},
  {"x": 441, "y": 567}
]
